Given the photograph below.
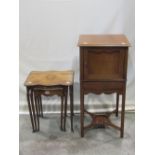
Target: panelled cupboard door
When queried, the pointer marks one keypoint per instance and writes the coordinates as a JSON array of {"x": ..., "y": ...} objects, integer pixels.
[{"x": 104, "y": 63}]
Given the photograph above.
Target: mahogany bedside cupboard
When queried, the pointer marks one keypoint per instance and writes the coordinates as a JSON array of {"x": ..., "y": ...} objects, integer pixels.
[{"x": 103, "y": 69}]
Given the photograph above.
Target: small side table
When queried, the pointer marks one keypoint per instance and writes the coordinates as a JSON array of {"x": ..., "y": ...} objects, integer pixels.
[{"x": 49, "y": 83}]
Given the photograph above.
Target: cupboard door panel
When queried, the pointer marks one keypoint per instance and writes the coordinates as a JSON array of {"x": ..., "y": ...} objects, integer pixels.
[{"x": 103, "y": 63}]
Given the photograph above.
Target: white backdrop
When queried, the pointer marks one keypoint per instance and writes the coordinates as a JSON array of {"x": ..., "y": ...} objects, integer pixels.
[{"x": 49, "y": 31}]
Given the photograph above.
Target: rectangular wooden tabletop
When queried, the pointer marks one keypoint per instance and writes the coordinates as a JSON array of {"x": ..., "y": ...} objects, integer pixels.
[{"x": 49, "y": 78}]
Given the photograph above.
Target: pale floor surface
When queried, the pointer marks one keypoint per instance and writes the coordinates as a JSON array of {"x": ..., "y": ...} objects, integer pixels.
[{"x": 51, "y": 141}]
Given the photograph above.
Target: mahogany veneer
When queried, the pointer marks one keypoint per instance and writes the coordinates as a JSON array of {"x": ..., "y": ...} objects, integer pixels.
[
  {"x": 48, "y": 83},
  {"x": 103, "y": 69}
]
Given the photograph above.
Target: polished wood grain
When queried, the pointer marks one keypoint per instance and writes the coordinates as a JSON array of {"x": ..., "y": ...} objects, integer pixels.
[
  {"x": 49, "y": 78},
  {"x": 103, "y": 69},
  {"x": 103, "y": 40},
  {"x": 104, "y": 63},
  {"x": 49, "y": 83}
]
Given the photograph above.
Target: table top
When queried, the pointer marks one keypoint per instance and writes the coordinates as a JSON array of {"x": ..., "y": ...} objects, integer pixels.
[
  {"x": 49, "y": 78},
  {"x": 103, "y": 40}
]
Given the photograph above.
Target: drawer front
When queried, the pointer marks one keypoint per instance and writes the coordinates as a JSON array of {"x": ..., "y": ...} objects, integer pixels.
[
  {"x": 49, "y": 92},
  {"x": 104, "y": 63},
  {"x": 100, "y": 87}
]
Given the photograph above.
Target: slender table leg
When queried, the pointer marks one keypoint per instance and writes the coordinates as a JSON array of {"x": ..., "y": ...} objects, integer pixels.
[
  {"x": 82, "y": 111},
  {"x": 30, "y": 108},
  {"x": 117, "y": 104},
  {"x": 61, "y": 113},
  {"x": 123, "y": 114},
  {"x": 37, "y": 109},
  {"x": 71, "y": 106},
  {"x": 41, "y": 106},
  {"x": 66, "y": 94},
  {"x": 33, "y": 109},
  {"x": 36, "y": 96}
]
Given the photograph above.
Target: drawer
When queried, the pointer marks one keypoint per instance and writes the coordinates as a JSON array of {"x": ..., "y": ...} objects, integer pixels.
[
  {"x": 100, "y": 87},
  {"x": 49, "y": 91}
]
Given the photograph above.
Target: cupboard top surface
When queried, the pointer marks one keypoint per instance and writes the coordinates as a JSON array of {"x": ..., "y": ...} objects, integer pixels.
[{"x": 103, "y": 40}]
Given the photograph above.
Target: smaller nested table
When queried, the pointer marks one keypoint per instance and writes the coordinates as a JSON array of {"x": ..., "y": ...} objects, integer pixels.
[{"x": 48, "y": 83}]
